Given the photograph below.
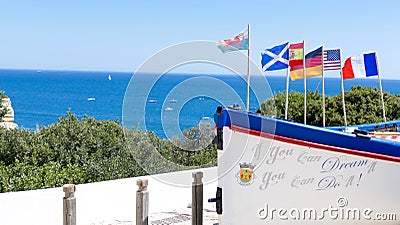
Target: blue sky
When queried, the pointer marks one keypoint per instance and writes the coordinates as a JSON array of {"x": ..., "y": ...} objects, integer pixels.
[{"x": 120, "y": 35}]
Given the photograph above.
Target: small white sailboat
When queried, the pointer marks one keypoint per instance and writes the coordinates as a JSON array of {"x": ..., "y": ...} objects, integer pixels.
[
  {"x": 168, "y": 109},
  {"x": 173, "y": 101},
  {"x": 234, "y": 106},
  {"x": 109, "y": 77},
  {"x": 91, "y": 99}
]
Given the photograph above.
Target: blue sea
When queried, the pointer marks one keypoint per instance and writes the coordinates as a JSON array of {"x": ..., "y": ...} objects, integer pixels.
[{"x": 164, "y": 104}]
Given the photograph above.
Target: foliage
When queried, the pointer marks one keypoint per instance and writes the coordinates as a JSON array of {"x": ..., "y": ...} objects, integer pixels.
[
  {"x": 158, "y": 155},
  {"x": 363, "y": 105},
  {"x": 89, "y": 150},
  {"x": 82, "y": 151}
]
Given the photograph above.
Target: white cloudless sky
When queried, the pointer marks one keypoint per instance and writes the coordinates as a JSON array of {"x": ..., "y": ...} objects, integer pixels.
[{"x": 120, "y": 35}]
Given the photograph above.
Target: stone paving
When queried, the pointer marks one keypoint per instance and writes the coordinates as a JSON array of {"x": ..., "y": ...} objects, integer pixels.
[
  {"x": 182, "y": 217},
  {"x": 177, "y": 217}
]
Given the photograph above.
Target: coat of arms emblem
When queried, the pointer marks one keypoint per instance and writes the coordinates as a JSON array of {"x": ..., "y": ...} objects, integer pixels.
[{"x": 245, "y": 175}]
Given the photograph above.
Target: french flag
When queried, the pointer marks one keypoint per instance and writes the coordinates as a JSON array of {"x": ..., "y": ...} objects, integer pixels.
[{"x": 364, "y": 65}]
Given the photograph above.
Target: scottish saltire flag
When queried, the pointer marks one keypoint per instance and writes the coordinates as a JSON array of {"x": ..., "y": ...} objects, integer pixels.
[
  {"x": 332, "y": 60},
  {"x": 275, "y": 58},
  {"x": 360, "y": 66},
  {"x": 239, "y": 42}
]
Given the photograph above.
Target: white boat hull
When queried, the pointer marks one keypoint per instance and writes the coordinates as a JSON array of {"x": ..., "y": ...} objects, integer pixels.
[{"x": 300, "y": 182}]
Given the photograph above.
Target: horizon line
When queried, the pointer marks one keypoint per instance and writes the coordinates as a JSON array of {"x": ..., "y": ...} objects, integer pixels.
[{"x": 175, "y": 73}]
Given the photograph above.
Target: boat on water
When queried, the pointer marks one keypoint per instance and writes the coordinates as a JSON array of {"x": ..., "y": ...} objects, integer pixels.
[
  {"x": 234, "y": 107},
  {"x": 283, "y": 172},
  {"x": 152, "y": 101},
  {"x": 91, "y": 99},
  {"x": 173, "y": 101},
  {"x": 168, "y": 109},
  {"x": 109, "y": 77}
]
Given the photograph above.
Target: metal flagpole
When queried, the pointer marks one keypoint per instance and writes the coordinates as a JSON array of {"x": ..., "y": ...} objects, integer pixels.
[
  {"x": 248, "y": 69},
  {"x": 344, "y": 104},
  {"x": 305, "y": 85},
  {"x": 287, "y": 93},
  {"x": 380, "y": 86},
  {"x": 323, "y": 89}
]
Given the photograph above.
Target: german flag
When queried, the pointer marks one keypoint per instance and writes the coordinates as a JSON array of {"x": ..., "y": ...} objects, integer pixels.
[{"x": 313, "y": 66}]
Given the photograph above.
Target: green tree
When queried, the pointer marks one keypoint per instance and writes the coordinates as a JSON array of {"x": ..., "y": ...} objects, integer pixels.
[
  {"x": 87, "y": 150},
  {"x": 363, "y": 105}
]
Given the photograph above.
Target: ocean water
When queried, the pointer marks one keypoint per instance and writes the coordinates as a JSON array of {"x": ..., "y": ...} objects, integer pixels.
[{"x": 165, "y": 104}]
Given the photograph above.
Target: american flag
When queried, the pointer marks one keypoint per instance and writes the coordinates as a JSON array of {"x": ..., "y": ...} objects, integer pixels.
[{"x": 332, "y": 59}]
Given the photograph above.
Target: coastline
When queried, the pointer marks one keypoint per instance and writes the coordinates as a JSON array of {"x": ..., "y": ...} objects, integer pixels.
[{"x": 59, "y": 91}]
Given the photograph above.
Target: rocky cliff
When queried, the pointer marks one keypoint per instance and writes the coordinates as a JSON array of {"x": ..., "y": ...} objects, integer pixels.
[{"x": 8, "y": 119}]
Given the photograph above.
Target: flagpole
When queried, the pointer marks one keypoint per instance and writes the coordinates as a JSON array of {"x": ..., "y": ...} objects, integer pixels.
[
  {"x": 380, "y": 86},
  {"x": 305, "y": 84},
  {"x": 248, "y": 70},
  {"x": 323, "y": 89},
  {"x": 343, "y": 101},
  {"x": 287, "y": 93}
]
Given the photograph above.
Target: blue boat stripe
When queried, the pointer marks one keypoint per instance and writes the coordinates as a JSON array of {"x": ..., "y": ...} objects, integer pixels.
[{"x": 310, "y": 133}]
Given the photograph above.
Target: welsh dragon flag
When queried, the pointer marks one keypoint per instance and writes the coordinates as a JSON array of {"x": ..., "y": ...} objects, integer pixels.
[{"x": 239, "y": 42}]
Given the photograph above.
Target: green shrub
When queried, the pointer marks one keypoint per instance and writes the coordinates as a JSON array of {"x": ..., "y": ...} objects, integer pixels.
[
  {"x": 87, "y": 150},
  {"x": 363, "y": 105}
]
